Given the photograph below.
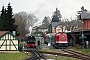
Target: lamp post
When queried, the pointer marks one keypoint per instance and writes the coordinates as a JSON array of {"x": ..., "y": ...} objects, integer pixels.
[
  {"x": 50, "y": 38},
  {"x": 49, "y": 44},
  {"x": 56, "y": 57},
  {"x": 39, "y": 37},
  {"x": 82, "y": 35}
]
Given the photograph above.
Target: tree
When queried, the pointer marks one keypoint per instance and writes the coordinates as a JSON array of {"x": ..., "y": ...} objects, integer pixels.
[
  {"x": 2, "y": 19},
  {"x": 50, "y": 29},
  {"x": 24, "y": 21},
  {"x": 80, "y": 12},
  {"x": 45, "y": 24},
  {"x": 56, "y": 16},
  {"x": 3, "y": 25},
  {"x": 10, "y": 19},
  {"x": 71, "y": 24},
  {"x": 21, "y": 24},
  {"x": 46, "y": 21},
  {"x": 7, "y": 20}
]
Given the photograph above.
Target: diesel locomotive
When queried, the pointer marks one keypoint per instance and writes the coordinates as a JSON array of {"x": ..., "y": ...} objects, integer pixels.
[{"x": 57, "y": 40}]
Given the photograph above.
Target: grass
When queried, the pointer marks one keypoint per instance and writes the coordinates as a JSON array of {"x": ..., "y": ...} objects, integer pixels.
[
  {"x": 49, "y": 50},
  {"x": 62, "y": 58},
  {"x": 85, "y": 51},
  {"x": 13, "y": 56},
  {"x": 22, "y": 55}
]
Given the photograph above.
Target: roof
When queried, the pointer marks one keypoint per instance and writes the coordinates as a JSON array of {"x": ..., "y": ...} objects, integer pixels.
[
  {"x": 85, "y": 15},
  {"x": 2, "y": 32},
  {"x": 21, "y": 37},
  {"x": 54, "y": 24},
  {"x": 43, "y": 26}
]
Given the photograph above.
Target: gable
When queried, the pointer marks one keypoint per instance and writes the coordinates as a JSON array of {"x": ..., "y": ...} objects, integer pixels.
[
  {"x": 9, "y": 35},
  {"x": 8, "y": 41}
]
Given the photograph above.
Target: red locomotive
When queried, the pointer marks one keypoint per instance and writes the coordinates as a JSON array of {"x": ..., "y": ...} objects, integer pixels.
[
  {"x": 58, "y": 40},
  {"x": 61, "y": 39}
]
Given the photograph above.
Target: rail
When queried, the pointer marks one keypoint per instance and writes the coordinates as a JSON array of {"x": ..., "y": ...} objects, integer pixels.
[
  {"x": 67, "y": 53},
  {"x": 35, "y": 54}
]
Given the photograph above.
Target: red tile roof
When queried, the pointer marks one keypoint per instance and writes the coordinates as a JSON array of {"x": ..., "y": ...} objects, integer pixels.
[
  {"x": 21, "y": 37},
  {"x": 2, "y": 32}
]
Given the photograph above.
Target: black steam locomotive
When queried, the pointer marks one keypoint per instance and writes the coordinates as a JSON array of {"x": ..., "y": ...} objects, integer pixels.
[{"x": 30, "y": 40}]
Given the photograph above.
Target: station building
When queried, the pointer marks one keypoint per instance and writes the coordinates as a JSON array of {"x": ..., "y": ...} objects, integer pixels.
[
  {"x": 8, "y": 41},
  {"x": 81, "y": 37}
]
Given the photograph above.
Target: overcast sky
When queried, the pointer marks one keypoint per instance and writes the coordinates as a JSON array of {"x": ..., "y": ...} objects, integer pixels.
[{"x": 41, "y": 8}]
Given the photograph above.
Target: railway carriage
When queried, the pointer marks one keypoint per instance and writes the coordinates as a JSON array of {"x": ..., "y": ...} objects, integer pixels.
[{"x": 49, "y": 37}]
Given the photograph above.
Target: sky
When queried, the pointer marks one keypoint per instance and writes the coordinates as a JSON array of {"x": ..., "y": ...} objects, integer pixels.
[{"x": 42, "y": 8}]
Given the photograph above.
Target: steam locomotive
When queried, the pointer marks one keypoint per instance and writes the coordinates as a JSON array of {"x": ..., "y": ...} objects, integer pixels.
[
  {"x": 30, "y": 40},
  {"x": 57, "y": 40}
]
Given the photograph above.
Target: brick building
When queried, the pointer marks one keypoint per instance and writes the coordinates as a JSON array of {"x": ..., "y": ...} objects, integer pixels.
[{"x": 85, "y": 17}]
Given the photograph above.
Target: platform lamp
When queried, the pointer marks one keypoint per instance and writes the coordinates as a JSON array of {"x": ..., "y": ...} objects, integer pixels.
[
  {"x": 49, "y": 44},
  {"x": 56, "y": 57},
  {"x": 82, "y": 35}
]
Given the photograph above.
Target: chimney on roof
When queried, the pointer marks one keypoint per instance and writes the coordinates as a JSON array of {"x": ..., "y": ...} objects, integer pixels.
[{"x": 14, "y": 32}]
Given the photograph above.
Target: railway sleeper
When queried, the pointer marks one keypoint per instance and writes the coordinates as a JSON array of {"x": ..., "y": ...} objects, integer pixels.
[{"x": 34, "y": 58}]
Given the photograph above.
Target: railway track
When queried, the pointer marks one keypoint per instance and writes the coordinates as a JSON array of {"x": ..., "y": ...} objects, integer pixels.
[
  {"x": 74, "y": 54},
  {"x": 35, "y": 55},
  {"x": 77, "y": 55},
  {"x": 70, "y": 53}
]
